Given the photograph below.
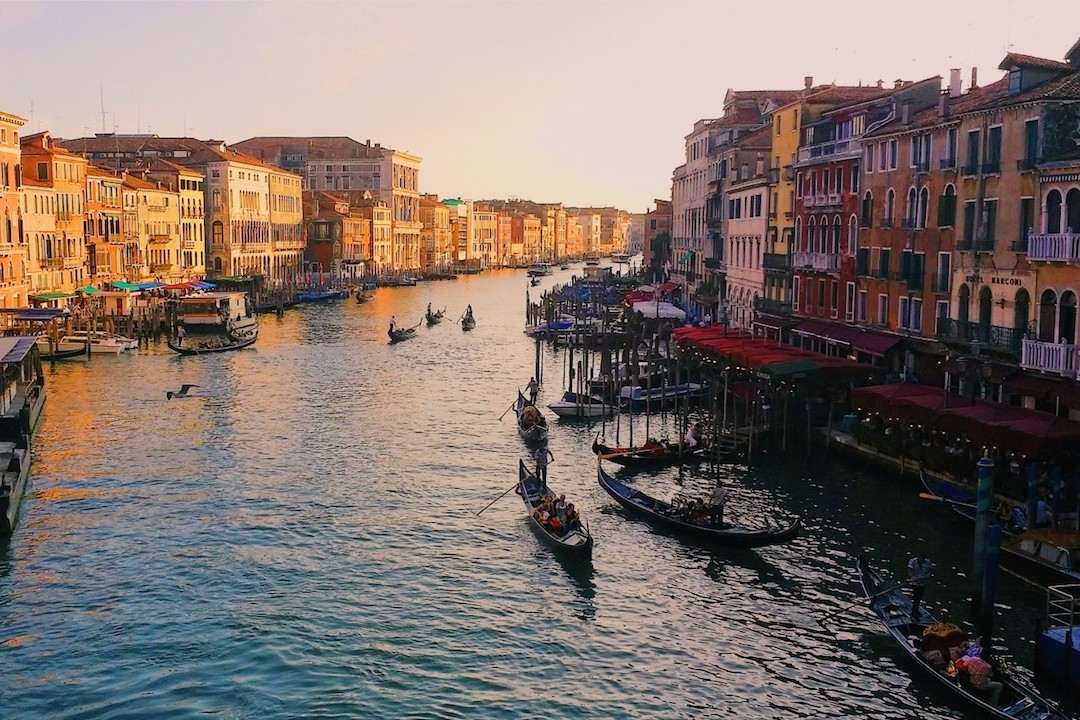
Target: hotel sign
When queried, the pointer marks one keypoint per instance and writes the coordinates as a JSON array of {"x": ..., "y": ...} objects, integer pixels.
[{"x": 995, "y": 280}]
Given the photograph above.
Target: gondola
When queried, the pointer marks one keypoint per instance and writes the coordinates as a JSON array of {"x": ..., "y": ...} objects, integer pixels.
[
  {"x": 435, "y": 318},
  {"x": 577, "y": 543},
  {"x": 534, "y": 431},
  {"x": 659, "y": 455},
  {"x": 893, "y": 610},
  {"x": 210, "y": 349},
  {"x": 661, "y": 514},
  {"x": 534, "y": 281},
  {"x": 363, "y": 296},
  {"x": 402, "y": 334},
  {"x": 468, "y": 322}
]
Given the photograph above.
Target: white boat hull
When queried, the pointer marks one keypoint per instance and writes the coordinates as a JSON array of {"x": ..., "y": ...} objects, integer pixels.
[{"x": 571, "y": 410}]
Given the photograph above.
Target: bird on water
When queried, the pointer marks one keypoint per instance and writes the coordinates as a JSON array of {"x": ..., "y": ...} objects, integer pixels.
[{"x": 181, "y": 393}]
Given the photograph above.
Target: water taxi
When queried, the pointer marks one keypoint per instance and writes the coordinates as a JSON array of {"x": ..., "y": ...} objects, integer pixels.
[{"x": 214, "y": 322}]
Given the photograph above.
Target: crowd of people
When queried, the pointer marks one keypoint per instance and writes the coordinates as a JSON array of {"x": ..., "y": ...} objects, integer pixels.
[{"x": 557, "y": 515}]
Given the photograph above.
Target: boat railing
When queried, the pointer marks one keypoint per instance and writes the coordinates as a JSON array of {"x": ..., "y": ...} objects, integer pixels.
[{"x": 1063, "y": 605}]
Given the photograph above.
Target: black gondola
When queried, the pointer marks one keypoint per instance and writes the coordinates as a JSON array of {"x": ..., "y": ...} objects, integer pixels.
[
  {"x": 663, "y": 515},
  {"x": 468, "y": 322},
  {"x": 578, "y": 542},
  {"x": 435, "y": 318},
  {"x": 648, "y": 456},
  {"x": 192, "y": 349},
  {"x": 363, "y": 296},
  {"x": 402, "y": 334},
  {"x": 534, "y": 430},
  {"x": 893, "y": 610}
]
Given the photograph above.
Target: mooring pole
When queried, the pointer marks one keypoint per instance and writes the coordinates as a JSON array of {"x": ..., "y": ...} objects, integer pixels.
[{"x": 987, "y": 541}]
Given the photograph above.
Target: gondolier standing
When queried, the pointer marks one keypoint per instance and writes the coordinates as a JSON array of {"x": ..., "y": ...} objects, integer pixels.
[
  {"x": 920, "y": 569},
  {"x": 533, "y": 388},
  {"x": 717, "y": 503},
  {"x": 542, "y": 456}
]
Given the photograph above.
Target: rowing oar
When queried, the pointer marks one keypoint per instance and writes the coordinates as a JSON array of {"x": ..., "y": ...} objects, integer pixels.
[
  {"x": 853, "y": 604},
  {"x": 512, "y": 404},
  {"x": 939, "y": 498},
  {"x": 497, "y": 499}
]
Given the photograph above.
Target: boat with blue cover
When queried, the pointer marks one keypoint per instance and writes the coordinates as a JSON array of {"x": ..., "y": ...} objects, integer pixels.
[
  {"x": 638, "y": 398},
  {"x": 317, "y": 296}
]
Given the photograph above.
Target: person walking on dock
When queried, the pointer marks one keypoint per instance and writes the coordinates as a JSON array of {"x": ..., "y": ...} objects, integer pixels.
[
  {"x": 920, "y": 569},
  {"x": 542, "y": 456}
]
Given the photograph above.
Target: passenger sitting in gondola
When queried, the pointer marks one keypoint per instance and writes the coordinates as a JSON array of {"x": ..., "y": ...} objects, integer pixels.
[
  {"x": 573, "y": 519},
  {"x": 560, "y": 506},
  {"x": 555, "y": 525},
  {"x": 694, "y": 437},
  {"x": 978, "y": 673}
]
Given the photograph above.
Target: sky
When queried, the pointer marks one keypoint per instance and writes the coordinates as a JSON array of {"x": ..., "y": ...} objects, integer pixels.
[{"x": 580, "y": 102}]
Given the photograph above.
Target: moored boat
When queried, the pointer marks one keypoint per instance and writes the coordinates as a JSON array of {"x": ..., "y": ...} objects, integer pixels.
[
  {"x": 577, "y": 541},
  {"x": 676, "y": 519},
  {"x": 100, "y": 342},
  {"x": 585, "y": 406},
  {"x": 540, "y": 269},
  {"x": 14, "y": 480},
  {"x": 638, "y": 398},
  {"x": 213, "y": 323},
  {"x": 316, "y": 296},
  {"x": 59, "y": 350},
  {"x": 652, "y": 454},
  {"x": 893, "y": 610},
  {"x": 532, "y": 426},
  {"x": 22, "y": 397}
]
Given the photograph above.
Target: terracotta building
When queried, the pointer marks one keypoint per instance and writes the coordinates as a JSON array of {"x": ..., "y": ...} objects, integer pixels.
[{"x": 338, "y": 236}]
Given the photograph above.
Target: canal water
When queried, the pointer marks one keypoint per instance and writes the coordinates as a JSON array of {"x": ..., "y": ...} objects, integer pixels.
[{"x": 301, "y": 540}]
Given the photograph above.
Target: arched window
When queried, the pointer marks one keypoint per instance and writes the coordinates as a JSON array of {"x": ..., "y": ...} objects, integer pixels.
[
  {"x": 947, "y": 208},
  {"x": 811, "y": 229},
  {"x": 867, "y": 209},
  {"x": 1072, "y": 211},
  {"x": 1067, "y": 318},
  {"x": 963, "y": 303},
  {"x": 217, "y": 264},
  {"x": 890, "y": 201},
  {"x": 799, "y": 240},
  {"x": 1053, "y": 212},
  {"x": 1047, "y": 316},
  {"x": 924, "y": 206},
  {"x": 836, "y": 225},
  {"x": 986, "y": 307},
  {"x": 853, "y": 236},
  {"x": 1020, "y": 313},
  {"x": 911, "y": 213}
]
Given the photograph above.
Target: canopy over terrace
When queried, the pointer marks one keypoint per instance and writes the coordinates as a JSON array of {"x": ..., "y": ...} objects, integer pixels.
[
  {"x": 766, "y": 357},
  {"x": 1027, "y": 431}
]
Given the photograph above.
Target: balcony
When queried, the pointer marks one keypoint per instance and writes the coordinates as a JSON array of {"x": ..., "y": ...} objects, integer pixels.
[
  {"x": 55, "y": 263},
  {"x": 967, "y": 245},
  {"x": 994, "y": 336},
  {"x": 161, "y": 269},
  {"x": 160, "y": 239},
  {"x": 948, "y": 163},
  {"x": 991, "y": 168},
  {"x": 187, "y": 244},
  {"x": 789, "y": 173},
  {"x": 821, "y": 262},
  {"x": 718, "y": 264},
  {"x": 886, "y": 223},
  {"x": 1054, "y": 247},
  {"x": 830, "y": 150},
  {"x": 776, "y": 261},
  {"x": 769, "y": 306},
  {"x": 1060, "y": 358}
]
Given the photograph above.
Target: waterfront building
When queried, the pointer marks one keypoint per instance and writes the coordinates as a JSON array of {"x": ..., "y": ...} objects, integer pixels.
[
  {"x": 503, "y": 237},
  {"x": 380, "y": 217},
  {"x": 13, "y": 250},
  {"x": 245, "y": 234},
  {"x": 57, "y": 260},
  {"x": 573, "y": 237},
  {"x": 338, "y": 236},
  {"x": 484, "y": 229},
  {"x": 461, "y": 229},
  {"x": 436, "y": 242},
  {"x": 657, "y": 223},
  {"x": 745, "y": 234},
  {"x": 39, "y": 229},
  {"x": 348, "y": 168},
  {"x": 104, "y": 237},
  {"x": 829, "y": 172},
  {"x": 188, "y": 184},
  {"x": 525, "y": 237},
  {"x": 155, "y": 212},
  {"x": 590, "y": 233}
]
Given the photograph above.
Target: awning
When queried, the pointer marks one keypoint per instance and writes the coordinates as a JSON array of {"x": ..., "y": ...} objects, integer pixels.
[
  {"x": 34, "y": 314},
  {"x": 867, "y": 341},
  {"x": 129, "y": 287},
  {"x": 46, "y": 297},
  {"x": 150, "y": 285},
  {"x": 1044, "y": 388},
  {"x": 15, "y": 349},
  {"x": 653, "y": 309},
  {"x": 88, "y": 290}
]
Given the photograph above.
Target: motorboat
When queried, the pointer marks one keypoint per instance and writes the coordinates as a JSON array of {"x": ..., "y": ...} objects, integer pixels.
[
  {"x": 101, "y": 342},
  {"x": 573, "y": 405}
]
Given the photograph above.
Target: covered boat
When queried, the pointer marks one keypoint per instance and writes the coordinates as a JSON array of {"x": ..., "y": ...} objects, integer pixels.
[
  {"x": 893, "y": 610},
  {"x": 577, "y": 542},
  {"x": 638, "y": 398},
  {"x": 677, "y": 520},
  {"x": 214, "y": 322}
]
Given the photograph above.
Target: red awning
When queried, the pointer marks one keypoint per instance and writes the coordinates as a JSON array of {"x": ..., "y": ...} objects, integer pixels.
[
  {"x": 1044, "y": 388},
  {"x": 973, "y": 419},
  {"x": 867, "y": 341}
]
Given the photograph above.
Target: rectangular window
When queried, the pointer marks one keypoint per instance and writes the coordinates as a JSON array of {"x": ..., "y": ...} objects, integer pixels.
[
  {"x": 849, "y": 312},
  {"x": 884, "y": 260},
  {"x": 973, "y": 151},
  {"x": 795, "y": 292},
  {"x": 42, "y": 171},
  {"x": 1031, "y": 142},
  {"x": 821, "y": 294},
  {"x": 969, "y": 222},
  {"x": 942, "y": 316},
  {"x": 893, "y": 151},
  {"x": 883, "y": 309},
  {"x": 903, "y": 318},
  {"x": 862, "y": 306},
  {"x": 990, "y": 222},
  {"x": 916, "y": 314},
  {"x": 869, "y": 159},
  {"x": 993, "y": 153},
  {"x": 944, "y": 272},
  {"x": 883, "y": 156},
  {"x": 835, "y": 306},
  {"x": 855, "y": 179},
  {"x": 950, "y": 147},
  {"x": 1027, "y": 219}
]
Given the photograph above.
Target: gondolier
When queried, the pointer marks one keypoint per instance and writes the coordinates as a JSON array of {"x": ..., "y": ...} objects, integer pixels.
[
  {"x": 542, "y": 456},
  {"x": 533, "y": 389},
  {"x": 920, "y": 569},
  {"x": 716, "y": 504}
]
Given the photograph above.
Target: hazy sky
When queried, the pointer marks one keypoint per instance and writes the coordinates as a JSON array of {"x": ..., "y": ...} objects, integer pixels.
[{"x": 583, "y": 102}]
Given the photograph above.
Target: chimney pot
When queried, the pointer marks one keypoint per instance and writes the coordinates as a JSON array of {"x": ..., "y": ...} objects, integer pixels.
[
  {"x": 974, "y": 77},
  {"x": 898, "y": 83},
  {"x": 880, "y": 84},
  {"x": 942, "y": 105},
  {"x": 808, "y": 81},
  {"x": 954, "y": 82}
]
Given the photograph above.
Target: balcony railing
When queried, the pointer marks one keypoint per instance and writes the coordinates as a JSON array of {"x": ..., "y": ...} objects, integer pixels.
[
  {"x": 829, "y": 149},
  {"x": 789, "y": 173},
  {"x": 994, "y": 336},
  {"x": 1054, "y": 247},
  {"x": 914, "y": 282},
  {"x": 713, "y": 263},
  {"x": 822, "y": 262},
  {"x": 976, "y": 246},
  {"x": 771, "y": 306},
  {"x": 776, "y": 261},
  {"x": 1026, "y": 164},
  {"x": 1060, "y": 358},
  {"x": 774, "y": 176}
]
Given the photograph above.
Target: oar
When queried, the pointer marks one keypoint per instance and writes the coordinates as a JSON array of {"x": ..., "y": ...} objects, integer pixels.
[
  {"x": 512, "y": 404},
  {"x": 939, "y": 498},
  {"x": 497, "y": 499},
  {"x": 853, "y": 604}
]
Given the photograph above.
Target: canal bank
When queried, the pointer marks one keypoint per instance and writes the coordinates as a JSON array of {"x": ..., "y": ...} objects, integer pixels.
[{"x": 301, "y": 540}]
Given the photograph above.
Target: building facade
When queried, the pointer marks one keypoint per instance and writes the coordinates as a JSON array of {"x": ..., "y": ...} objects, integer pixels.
[{"x": 13, "y": 250}]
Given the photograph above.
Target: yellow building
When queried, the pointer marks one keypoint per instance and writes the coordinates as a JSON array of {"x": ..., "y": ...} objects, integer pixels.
[
  {"x": 379, "y": 214},
  {"x": 104, "y": 238},
  {"x": 13, "y": 286},
  {"x": 286, "y": 223},
  {"x": 188, "y": 184},
  {"x": 485, "y": 229},
  {"x": 156, "y": 234},
  {"x": 436, "y": 246}
]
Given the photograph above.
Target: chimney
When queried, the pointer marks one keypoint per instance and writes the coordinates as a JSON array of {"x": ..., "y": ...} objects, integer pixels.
[
  {"x": 942, "y": 104},
  {"x": 954, "y": 82},
  {"x": 880, "y": 84},
  {"x": 898, "y": 83},
  {"x": 905, "y": 112},
  {"x": 974, "y": 77},
  {"x": 808, "y": 81}
]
